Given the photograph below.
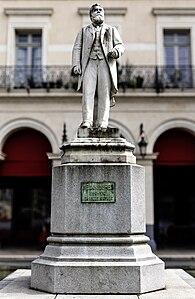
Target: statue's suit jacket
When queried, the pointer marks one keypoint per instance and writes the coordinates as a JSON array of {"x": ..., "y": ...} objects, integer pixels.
[{"x": 109, "y": 39}]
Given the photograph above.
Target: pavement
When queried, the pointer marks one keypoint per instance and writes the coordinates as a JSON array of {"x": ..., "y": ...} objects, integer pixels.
[{"x": 179, "y": 285}]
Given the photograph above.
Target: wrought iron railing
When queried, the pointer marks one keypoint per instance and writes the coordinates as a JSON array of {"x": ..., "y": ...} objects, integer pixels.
[
  {"x": 48, "y": 77},
  {"x": 159, "y": 78},
  {"x": 129, "y": 77}
]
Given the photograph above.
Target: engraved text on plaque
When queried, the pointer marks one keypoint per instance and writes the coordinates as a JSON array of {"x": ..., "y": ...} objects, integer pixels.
[{"x": 99, "y": 192}]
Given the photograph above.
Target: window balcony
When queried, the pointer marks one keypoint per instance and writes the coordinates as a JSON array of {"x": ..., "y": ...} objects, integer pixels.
[
  {"x": 143, "y": 78},
  {"x": 158, "y": 78}
]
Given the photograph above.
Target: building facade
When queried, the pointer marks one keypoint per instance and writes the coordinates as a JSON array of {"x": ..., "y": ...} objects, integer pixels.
[{"x": 39, "y": 108}]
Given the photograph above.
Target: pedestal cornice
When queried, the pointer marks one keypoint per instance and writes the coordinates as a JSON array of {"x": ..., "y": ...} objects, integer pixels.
[{"x": 99, "y": 147}]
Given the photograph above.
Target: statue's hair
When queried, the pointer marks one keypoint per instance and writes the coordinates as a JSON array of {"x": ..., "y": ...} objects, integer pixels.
[{"x": 92, "y": 8}]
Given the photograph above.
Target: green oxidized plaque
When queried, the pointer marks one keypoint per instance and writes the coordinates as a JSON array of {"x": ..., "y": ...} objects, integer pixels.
[{"x": 98, "y": 192}]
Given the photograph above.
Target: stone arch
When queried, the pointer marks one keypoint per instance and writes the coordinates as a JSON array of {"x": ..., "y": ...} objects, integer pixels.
[
  {"x": 123, "y": 130},
  {"x": 7, "y": 129},
  {"x": 171, "y": 124}
]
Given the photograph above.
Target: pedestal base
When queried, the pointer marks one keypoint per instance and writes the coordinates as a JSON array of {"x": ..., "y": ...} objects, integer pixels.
[
  {"x": 98, "y": 265},
  {"x": 97, "y": 243},
  {"x": 98, "y": 278}
]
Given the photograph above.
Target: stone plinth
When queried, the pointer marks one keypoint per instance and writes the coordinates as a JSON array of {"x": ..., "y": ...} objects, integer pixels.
[
  {"x": 179, "y": 285},
  {"x": 97, "y": 243}
]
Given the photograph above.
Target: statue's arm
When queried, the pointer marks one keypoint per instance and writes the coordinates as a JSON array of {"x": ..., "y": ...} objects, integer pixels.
[
  {"x": 77, "y": 53},
  {"x": 118, "y": 46}
]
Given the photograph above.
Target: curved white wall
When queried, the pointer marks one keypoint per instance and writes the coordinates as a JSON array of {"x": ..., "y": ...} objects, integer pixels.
[{"x": 7, "y": 129}]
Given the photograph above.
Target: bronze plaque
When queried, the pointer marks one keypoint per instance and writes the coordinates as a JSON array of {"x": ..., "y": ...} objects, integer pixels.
[{"x": 98, "y": 192}]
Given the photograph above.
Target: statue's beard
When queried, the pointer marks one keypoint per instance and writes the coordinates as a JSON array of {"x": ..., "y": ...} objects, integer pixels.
[{"x": 97, "y": 20}]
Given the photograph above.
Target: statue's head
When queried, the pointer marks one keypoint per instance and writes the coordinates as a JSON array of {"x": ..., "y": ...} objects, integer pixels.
[{"x": 96, "y": 13}]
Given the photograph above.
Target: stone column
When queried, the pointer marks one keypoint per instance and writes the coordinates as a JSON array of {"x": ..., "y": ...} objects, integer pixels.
[
  {"x": 97, "y": 243},
  {"x": 147, "y": 162}
]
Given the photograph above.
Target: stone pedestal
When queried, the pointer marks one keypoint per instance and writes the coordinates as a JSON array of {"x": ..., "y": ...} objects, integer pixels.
[{"x": 97, "y": 243}]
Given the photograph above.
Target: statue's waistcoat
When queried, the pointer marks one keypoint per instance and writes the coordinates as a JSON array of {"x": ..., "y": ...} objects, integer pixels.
[{"x": 96, "y": 51}]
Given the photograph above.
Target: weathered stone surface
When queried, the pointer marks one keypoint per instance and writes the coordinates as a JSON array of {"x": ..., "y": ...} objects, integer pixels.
[
  {"x": 98, "y": 150},
  {"x": 98, "y": 277},
  {"x": 178, "y": 286},
  {"x": 96, "y": 133},
  {"x": 70, "y": 216},
  {"x": 98, "y": 248}
]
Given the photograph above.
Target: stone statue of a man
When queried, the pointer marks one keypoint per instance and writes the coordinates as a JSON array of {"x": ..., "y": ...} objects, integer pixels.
[{"x": 95, "y": 51}]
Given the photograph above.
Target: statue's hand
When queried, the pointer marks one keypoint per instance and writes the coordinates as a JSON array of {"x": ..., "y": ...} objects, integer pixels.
[
  {"x": 77, "y": 70},
  {"x": 113, "y": 53}
]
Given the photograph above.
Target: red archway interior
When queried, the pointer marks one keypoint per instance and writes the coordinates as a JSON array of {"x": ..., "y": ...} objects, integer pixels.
[
  {"x": 174, "y": 195},
  {"x": 25, "y": 189},
  {"x": 26, "y": 154},
  {"x": 175, "y": 147}
]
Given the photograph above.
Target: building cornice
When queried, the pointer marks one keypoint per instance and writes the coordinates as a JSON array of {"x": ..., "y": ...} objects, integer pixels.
[
  {"x": 163, "y": 11},
  {"x": 28, "y": 11},
  {"x": 117, "y": 11}
]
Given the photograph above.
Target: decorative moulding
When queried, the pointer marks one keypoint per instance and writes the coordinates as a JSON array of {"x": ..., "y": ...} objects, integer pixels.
[
  {"x": 173, "y": 11},
  {"x": 28, "y": 11},
  {"x": 108, "y": 11},
  {"x": 54, "y": 156}
]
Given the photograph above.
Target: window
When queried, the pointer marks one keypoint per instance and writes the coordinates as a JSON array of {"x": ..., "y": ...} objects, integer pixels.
[
  {"x": 177, "y": 48},
  {"x": 178, "y": 57},
  {"x": 28, "y": 58}
]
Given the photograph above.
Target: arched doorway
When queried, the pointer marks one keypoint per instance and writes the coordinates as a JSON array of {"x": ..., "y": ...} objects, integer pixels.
[
  {"x": 174, "y": 193},
  {"x": 25, "y": 180}
]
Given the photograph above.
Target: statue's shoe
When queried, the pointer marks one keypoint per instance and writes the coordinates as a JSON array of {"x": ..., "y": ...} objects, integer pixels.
[{"x": 86, "y": 124}]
